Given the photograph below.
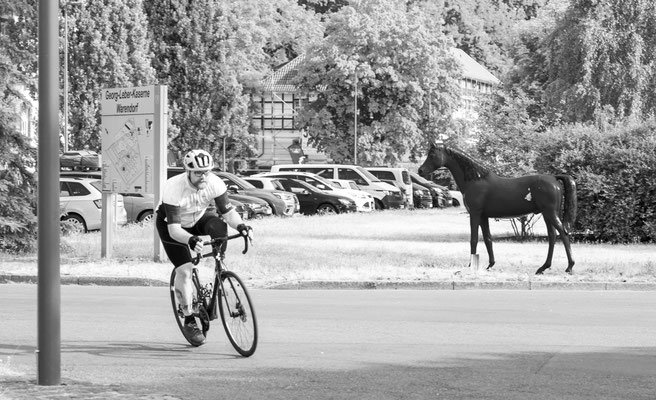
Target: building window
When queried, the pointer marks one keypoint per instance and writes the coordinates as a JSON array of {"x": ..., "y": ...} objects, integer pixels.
[{"x": 277, "y": 111}]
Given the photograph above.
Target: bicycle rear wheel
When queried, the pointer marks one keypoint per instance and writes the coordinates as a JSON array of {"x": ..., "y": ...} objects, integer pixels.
[
  {"x": 199, "y": 306},
  {"x": 237, "y": 314}
]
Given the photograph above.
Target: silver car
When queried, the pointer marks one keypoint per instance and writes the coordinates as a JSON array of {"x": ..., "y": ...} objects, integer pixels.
[{"x": 80, "y": 203}]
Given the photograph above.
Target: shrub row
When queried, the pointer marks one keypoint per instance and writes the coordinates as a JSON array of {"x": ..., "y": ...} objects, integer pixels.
[{"x": 614, "y": 169}]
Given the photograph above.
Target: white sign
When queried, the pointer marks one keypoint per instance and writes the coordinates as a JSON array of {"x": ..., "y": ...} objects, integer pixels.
[{"x": 128, "y": 140}]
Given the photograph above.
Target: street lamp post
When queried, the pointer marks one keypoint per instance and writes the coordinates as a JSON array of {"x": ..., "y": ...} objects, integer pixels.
[
  {"x": 66, "y": 4},
  {"x": 355, "y": 119}
]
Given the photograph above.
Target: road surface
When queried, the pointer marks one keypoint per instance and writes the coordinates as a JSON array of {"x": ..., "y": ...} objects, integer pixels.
[{"x": 344, "y": 344}]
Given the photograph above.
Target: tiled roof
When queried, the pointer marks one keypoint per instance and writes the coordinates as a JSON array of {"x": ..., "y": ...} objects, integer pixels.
[
  {"x": 281, "y": 78},
  {"x": 471, "y": 69}
]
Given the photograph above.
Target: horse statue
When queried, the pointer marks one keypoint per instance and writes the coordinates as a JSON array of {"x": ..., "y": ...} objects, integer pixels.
[{"x": 487, "y": 195}]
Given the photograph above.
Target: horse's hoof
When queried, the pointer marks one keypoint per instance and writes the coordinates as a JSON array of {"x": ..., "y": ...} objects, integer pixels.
[
  {"x": 538, "y": 272},
  {"x": 489, "y": 267},
  {"x": 569, "y": 271}
]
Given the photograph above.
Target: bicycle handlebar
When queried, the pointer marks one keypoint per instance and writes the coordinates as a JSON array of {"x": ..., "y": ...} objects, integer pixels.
[{"x": 247, "y": 239}]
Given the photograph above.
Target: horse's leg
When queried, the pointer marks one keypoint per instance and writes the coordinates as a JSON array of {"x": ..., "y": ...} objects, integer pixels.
[
  {"x": 551, "y": 232},
  {"x": 564, "y": 235},
  {"x": 474, "y": 222},
  {"x": 487, "y": 239}
]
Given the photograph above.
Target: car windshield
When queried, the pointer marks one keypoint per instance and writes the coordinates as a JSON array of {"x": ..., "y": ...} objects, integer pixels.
[
  {"x": 97, "y": 185},
  {"x": 238, "y": 180},
  {"x": 320, "y": 179},
  {"x": 419, "y": 179},
  {"x": 368, "y": 174}
]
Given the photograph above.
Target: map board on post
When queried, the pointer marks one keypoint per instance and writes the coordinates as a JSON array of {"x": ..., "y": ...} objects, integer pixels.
[{"x": 134, "y": 142}]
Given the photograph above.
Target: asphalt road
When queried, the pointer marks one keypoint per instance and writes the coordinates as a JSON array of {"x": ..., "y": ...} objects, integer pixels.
[{"x": 122, "y": 342}]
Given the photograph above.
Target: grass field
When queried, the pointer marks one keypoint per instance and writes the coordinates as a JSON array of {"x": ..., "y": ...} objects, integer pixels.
[{"x": 419, "y": 245}]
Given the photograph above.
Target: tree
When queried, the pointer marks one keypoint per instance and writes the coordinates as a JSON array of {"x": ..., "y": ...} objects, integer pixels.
[
  {"x": 212, "y": 55},
  {"x": 108, "y": 47},
  {"x": 599, "y": 56},
  {"x": 405, "y": 79},
  {"x": 17, "y": 156}
]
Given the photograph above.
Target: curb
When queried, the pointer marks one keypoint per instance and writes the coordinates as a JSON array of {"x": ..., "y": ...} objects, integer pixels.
[
  {"x": 86, "y": 280},
  {"x": 460, "y": 285},
  {"x": 361, "y": 285}
]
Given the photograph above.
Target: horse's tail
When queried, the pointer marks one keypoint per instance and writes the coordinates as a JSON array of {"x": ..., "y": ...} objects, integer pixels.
[{"x": 569, "y": 208}]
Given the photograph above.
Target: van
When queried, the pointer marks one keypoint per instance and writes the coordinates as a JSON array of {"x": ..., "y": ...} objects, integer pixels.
[
  {"x": 400, "y": 175},
  {"x": 385, "y": 195}
]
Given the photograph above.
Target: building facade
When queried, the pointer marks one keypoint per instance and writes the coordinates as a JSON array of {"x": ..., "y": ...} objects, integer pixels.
[{"x": 279, "y": 103}]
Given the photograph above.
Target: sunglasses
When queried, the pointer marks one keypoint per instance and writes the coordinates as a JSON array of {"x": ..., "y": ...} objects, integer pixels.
[{"x": 200, "y": 173}]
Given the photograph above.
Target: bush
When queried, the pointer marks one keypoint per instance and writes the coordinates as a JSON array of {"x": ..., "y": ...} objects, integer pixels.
[{"x": 613, "y": 168}]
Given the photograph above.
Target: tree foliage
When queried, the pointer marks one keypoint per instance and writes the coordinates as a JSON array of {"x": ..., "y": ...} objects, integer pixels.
[
  {"x": 212, "y": 54},
  {"x": 401, "y": 73},
  {"x": 17, "y": 155},
  {"x": 108, "y": 48}
]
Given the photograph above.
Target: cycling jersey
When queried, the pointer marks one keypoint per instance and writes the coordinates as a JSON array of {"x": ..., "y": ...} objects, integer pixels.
[{"x": 185, "y": 203}]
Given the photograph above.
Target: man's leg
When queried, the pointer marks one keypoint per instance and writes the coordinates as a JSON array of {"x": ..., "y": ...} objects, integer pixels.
[{"x": 183, "y": 288}]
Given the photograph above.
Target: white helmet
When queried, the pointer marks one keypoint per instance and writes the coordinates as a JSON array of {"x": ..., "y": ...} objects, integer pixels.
[{"x": 198, "y": 160}]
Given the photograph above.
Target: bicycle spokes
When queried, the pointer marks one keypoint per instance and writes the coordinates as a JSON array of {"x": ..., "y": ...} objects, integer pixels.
[{"x": 237, "y": 314}]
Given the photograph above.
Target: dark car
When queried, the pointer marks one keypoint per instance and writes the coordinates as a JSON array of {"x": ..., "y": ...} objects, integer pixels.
[
  {"x": 440, "y": 194},
  {"x": 275, "y": 198},
  {"x": 421, "y": 196},
  {"x": 315, "y": 201},
  {"x": 255, "y": 208}
]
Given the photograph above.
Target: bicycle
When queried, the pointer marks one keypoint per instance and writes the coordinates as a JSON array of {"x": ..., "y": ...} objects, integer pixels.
[{"x": 227, "y": 293}]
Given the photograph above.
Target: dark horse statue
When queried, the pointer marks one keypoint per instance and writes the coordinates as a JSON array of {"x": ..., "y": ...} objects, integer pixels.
[{"x": 487, "y": 195}]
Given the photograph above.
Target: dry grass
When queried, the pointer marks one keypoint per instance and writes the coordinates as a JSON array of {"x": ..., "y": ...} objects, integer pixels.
[{"x": 430, "y": 245}]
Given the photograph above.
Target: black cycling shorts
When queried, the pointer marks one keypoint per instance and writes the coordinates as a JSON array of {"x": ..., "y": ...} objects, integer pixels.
[{"x": 179, "y": 253}]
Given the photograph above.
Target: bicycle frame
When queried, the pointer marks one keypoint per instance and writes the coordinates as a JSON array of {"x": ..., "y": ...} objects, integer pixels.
[{"x": 210, "y": 296}]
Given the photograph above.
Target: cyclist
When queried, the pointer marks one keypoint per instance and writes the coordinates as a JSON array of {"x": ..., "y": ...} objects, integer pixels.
[{"x": 183, "y": 215}]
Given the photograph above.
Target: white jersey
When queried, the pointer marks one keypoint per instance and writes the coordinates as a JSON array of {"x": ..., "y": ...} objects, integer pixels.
[{"x": 190, "y": 202}]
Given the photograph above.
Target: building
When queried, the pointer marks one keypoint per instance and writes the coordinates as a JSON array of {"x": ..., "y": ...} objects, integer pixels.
[{"x": 279, "y": 103}]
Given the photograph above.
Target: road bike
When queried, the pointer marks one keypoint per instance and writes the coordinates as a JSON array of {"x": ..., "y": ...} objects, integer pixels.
[{"x": 227, "y": 294}]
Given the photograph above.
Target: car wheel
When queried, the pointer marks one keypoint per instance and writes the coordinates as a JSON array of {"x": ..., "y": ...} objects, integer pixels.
[
  {"x": 146, "y": 217},
  {"x": 74, "y": 224},
  {"x": 379, "y": 205},
  {"x": 325, "y": 209},
  {"x": 455, "y": 203}
]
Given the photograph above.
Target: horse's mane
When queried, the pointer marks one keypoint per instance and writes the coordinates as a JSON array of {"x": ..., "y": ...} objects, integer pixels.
[{"x": 472, "y": 169}]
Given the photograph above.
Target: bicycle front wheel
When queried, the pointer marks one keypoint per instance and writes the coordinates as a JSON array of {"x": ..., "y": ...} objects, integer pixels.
[{"x": 237, "y": 314}]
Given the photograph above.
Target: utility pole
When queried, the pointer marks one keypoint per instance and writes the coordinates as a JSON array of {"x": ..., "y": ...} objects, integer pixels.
[{"x": 48, "y": 352}]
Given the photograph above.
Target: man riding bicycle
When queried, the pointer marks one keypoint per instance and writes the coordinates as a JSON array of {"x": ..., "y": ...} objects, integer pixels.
[{"x": 182, "y": 216}]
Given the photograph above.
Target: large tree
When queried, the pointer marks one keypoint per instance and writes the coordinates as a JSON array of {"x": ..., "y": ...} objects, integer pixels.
[
  {"x": 108, "y": 47},
  {"x": 211, "y": 54},
  {"x": 585, "y": 60},
  {"x": 383, "y": 54},
  {"x": 17, "y": 155}
]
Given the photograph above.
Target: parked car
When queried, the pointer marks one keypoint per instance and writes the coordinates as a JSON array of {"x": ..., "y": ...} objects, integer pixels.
[
  {"x": 271, "y": 184},
  {"x": 280, "y": 202},
  {"x": 400, "y": 175},
  {"x": 363, "y": 200},
  {"x": 441, "y": 195},
  {"x": 316, "y": 201},
  {"x": 139, "y": 206},
  {"x": 421, "y": 196},
  {"x": 254, "y": 207},
  {"x": 386, "y": 196},
  {"x": 317, "y": 181},
  {"x": 80, "y": 202}
]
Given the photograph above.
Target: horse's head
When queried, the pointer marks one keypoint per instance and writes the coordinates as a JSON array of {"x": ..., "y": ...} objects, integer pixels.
[{"x": 436, "y": 158}]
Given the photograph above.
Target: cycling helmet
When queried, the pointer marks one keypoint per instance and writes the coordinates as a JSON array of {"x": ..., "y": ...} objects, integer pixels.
[{"x": 198, "y": 160}]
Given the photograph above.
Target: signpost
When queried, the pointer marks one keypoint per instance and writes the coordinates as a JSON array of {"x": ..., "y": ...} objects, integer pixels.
[{"x": 133, "y": 149}]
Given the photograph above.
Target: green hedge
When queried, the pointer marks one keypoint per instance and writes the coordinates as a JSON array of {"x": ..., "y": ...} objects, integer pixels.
[{"x": 614, "y": 169}]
